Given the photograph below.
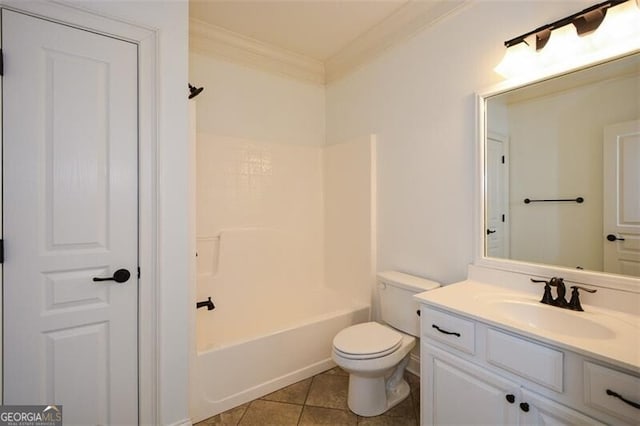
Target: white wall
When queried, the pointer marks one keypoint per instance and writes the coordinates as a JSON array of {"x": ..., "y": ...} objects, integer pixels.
[
  {"x": 418, "y": 98},
  {"x": 244, "y": 103}
]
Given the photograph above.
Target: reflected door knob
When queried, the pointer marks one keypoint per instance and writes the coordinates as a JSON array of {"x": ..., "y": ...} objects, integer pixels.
[
  {"x": 612, "y": 237},
  {"x": 119, "y": 276}
]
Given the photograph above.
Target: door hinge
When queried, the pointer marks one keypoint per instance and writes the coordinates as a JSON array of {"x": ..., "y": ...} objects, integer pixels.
[
  {"x": 503, "y": 218},
  {"x": 1, "y": 63},
  {"x": 503, "y": 159},
  {"x": 1, "y": 251},
  {"x": 138, "y": 272}
]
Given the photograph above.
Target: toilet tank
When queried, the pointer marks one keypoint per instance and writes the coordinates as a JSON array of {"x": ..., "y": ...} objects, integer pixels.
[{"x": 397, "y": 307}]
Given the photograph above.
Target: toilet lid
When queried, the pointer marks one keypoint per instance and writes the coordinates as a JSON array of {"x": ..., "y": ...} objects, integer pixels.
[{"x": 367, "y": 340}]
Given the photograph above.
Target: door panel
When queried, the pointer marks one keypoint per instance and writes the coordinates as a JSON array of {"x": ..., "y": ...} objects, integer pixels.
[
  {"x": 69, "y": 214},
  {"x": 622, "y": 198},
  {"x": 497, "y": 235}
]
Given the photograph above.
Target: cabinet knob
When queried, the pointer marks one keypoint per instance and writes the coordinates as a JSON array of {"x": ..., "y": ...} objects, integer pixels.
[
  {"x": 524, "y": 407},
  {"x": 511, "y": 398}
]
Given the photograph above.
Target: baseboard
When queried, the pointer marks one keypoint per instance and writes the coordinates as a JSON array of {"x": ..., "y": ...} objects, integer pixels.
[
  {"x": 414, "y": 364},
  {"x": 183, "y": 422}
]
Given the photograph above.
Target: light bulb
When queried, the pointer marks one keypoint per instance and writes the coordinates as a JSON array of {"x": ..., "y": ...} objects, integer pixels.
[
  {"x": 620, "y": 30},
  {"x": 562, "y": 49},
  {"x": 517, "y": 60}
]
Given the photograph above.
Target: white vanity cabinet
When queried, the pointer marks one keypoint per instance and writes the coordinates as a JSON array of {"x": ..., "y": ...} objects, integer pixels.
[
  {"x": 543, "y": 411},
  {"x": 456, "y": 392},
  {"x": 474, "y": 373}
]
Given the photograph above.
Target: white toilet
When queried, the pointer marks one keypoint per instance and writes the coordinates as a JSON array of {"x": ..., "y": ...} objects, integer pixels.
[{"x": 375, "y": 355}]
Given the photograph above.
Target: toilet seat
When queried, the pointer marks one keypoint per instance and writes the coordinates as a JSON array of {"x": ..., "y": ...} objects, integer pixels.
[{"x": 366, "y": 341}]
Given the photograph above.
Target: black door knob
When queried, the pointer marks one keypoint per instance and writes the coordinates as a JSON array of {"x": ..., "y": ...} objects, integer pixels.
[
  {"x": 524, "y": 407},
  {"x": 612, "y": 237},
  {"x": 491, "y": 231},
  {"x": 511, "y": 398},
  {"x": 119, "y": 276}
]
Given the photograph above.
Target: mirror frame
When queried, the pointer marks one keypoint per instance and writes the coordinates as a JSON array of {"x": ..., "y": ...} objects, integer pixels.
[{"x": 591, "y": 278}]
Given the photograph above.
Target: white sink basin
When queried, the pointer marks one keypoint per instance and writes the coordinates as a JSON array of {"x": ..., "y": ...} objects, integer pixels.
[
  {"x": 598, "y": 332},
  {"x": 554, "y": 319}
]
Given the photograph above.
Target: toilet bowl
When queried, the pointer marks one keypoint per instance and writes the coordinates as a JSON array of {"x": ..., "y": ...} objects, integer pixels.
[
  {"x": 376, "y": 380},
  {"x": 375, "y": 355}
]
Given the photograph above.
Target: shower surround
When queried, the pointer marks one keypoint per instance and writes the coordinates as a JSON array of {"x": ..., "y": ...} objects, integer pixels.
[{"x": 285, "y": 249}]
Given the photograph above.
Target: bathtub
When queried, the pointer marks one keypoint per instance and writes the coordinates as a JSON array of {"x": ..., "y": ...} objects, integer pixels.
[{"x": 265, "y": 345}]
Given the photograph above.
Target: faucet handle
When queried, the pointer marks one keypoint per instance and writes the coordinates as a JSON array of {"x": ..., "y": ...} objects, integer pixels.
[
  {"x": 547, "y": 299},
  {"x": 588, "y": 290},
  {"x": 539, "y": 281},
  {"x": 574, "y": 303}
]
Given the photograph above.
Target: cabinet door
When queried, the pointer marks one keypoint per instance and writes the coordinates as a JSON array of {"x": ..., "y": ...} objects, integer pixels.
[
  {"x": 457, "y": 392},
  {"x": 543, "y": 411}
]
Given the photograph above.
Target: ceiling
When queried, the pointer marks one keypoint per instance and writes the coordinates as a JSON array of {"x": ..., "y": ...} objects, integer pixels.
[{"x": 317, "y": 29}]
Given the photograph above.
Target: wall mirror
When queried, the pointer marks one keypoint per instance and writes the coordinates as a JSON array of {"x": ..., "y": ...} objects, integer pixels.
[{"x": 561, "y": 174}]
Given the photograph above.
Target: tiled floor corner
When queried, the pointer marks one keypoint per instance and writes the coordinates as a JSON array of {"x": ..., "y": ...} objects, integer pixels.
[{"x": 319, "y": 400}]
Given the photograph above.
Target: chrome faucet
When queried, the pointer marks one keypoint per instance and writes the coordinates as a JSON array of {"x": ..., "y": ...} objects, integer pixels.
[{"x": 561, "y": 290}]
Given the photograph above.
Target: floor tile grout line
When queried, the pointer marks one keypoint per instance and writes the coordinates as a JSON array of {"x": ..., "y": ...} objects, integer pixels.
[
  {"x": 246, "y": 408},
  {"x": 306, "y": 396},
  {"x": 359, "y": 420}
]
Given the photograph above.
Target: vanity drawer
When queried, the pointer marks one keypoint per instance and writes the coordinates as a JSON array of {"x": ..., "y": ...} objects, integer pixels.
[
  {"x": 450, "y": 329},
  {"x": 532, "y": 361},
  {"x": 598, "y": 380}
]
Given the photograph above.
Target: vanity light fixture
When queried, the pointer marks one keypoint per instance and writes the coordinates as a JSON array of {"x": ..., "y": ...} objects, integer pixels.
[{"x": 563, "y": 42}]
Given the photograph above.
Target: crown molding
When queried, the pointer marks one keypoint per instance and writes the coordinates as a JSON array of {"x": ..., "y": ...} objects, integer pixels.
[
  {"x": 408, "y": 20},
  {"x": 401, "y": 25},
  {"x": 214, "y": 40}
]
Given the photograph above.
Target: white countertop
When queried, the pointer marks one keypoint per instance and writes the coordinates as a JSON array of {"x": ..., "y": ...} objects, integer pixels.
[{"x": 616, "y": 336}]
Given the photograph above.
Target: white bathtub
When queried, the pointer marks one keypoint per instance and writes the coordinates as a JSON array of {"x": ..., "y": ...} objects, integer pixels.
[{"x": 260, "y": 346}]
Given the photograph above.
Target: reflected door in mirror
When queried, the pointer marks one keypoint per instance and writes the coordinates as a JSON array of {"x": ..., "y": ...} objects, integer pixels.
[
  {"x": 497, "y": 239},
  {"x": 621, "y": 236}
]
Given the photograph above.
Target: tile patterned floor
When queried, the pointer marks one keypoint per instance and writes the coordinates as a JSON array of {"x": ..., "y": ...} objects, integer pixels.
[{"x": 319, "y": 400}]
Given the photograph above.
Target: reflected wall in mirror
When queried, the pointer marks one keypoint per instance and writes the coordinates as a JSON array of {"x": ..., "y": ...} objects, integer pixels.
[{"x": 569, "y": 137}]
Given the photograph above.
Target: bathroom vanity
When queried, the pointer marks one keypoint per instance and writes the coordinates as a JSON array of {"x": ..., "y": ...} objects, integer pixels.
[
  {"x": 557, "y": 196},
  {"x": 492, "y": 354}
]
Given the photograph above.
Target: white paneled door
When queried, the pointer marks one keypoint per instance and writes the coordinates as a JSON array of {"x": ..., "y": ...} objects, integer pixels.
[
  {"x": 621, "y": 236},
  {"x": 70, "y": 215},
  {"x": 497, "y": 192}
]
